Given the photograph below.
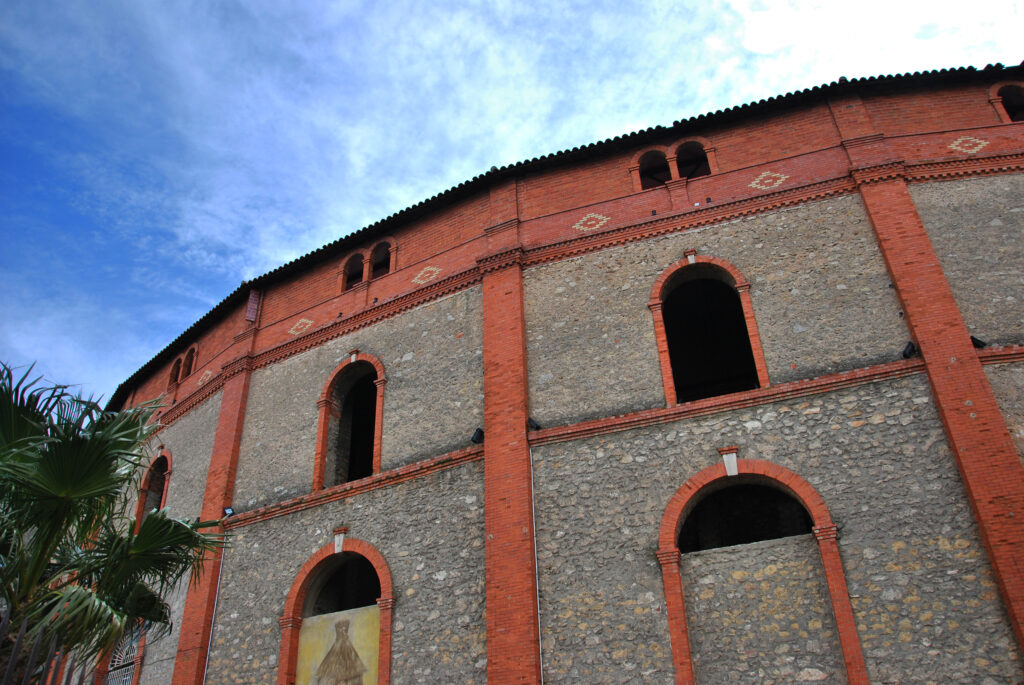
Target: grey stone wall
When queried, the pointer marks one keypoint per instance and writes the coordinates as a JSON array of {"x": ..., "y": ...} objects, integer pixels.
[
  {"x": 761, "y": 613},
  {"x": 920, "y": 584},
  {"x": 1007, "y": 381},
  {"x": 977, "y": 229},
  {"x": 819, "y": 288},
  {"x": 433, "y": 398},
  {"x": 430, "y": 532},
  {"x": 190, "y": 442}
]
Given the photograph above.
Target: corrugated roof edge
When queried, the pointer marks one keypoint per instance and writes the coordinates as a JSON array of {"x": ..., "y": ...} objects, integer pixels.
[{"x": 385, "y": 225}]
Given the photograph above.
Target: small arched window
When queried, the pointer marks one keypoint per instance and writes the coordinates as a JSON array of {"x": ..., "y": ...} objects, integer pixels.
[
  {"x": 354, "y": 271},
  {"x": 348, "y": 582},
  {"x": 692, "y": 161},
  {"x": 155, "y": 486},
  {"x": 380, "y": 261},
  {"x": 706, "y": 331},
  {"x": 175, "y": 373},
  {"x": 121, "y": 668},
  {"x": 742, "y": 514},
  {"x": 351, "y": 439},
  {"x": 188, "y": 363},
  {"x": 1013, "y": 102},
  {"x": 654, "y": 170}
]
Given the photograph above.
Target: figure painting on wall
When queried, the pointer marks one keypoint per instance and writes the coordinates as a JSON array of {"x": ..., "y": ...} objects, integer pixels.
[{"x": 341, "y": 664}]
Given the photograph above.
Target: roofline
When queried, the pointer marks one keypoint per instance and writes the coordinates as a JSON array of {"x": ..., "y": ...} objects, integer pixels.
[{"x": 389, "y": 224}]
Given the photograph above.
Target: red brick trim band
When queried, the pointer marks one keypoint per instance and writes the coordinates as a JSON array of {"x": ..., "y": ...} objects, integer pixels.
[
  {"x": 683, "y": 501},
  {"x": 291, "y": 620},
  {"x": 380, "y": 480},
  {"x": 632, "y": 231},
  {"x": 329, "y": 412}
]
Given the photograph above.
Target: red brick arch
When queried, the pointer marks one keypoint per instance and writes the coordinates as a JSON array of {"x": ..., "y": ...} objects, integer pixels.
[
  {"x": 291, "y": 620},
  {"x": 742, "y": 286},
  {"x": 329, "y": 412},
  {"x": 683, "y": 501},
  {"x": 709, "y": 150}
]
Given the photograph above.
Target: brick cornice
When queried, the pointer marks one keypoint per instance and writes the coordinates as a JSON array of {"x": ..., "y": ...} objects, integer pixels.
[
  {"x": 878, "y": 172},
  {"x": 237, "y": 365},
  {"x": 246, "y": 334},
  {"x": 500, "y": 260},
  {"x": 958, "y": 168}
]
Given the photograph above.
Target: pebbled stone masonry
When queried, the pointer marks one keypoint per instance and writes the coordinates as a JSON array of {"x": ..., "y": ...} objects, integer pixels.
[
  {"x": 977, "y": 229},
  {"x": 921, "y": 587},
  {"x": 433, "y": 398},
  {"x": 430, "y": 532},
  {"x": 761, "y": 613},
  {"x": 819, "y": 288},
  {"x": 190, "y": 442},
  {"x": 1007, "y": 381}
]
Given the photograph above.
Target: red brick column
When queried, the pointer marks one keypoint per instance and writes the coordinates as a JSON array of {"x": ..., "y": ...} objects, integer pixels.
[
  {"x": 985, "y": 455},
  {"x": 200, "y": 603},
  {"x": 513, "y": 626}
]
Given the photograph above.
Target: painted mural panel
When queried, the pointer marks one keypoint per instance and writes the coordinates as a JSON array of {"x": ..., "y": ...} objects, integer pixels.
[{"x": 339, "y": 648}]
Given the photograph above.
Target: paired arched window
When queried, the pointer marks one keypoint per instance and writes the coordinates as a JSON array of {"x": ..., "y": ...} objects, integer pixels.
[
  {"x": 705, "y": 330},
  {"x": 175, "y": 373},
  {"x": 362, "y": 267},
  {"x": 188, "y": 363},
  {"x": 692, "y": 160},
  {"x": 654, "y": 170},
  {"x": 1013, "y": 101},
  {"x": 348, "y": 441},
  {"x": 353, "y": 271}
]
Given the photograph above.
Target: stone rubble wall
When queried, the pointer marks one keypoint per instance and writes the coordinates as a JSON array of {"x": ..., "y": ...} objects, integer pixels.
[
  {"x": 819, "y": 288},
  {"x": 921, "y": 587}
]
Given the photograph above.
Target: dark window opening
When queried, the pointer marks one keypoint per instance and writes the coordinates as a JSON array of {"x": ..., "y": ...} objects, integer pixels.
[
  {"x": 380, "y": 261},
  {"x": 692, "y": 161},
  {"x": 186, "y": 366},
  {"x": 1013, "y": 102},
  {"x": 349, "y": 582},
  {"x": 175, "y": 371},
  {"x": 654, "y": 170},
  {"x": 354, "y": 272},
  {"x": 741, "y": 514},
  {"x": 708, "y": 344},
  {"x": 154, "y": 493},
  {"x": 351, "y": 457}
]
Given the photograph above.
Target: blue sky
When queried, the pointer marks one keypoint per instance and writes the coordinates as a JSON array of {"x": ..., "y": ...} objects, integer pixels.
[{"x": 155, "y": 154}]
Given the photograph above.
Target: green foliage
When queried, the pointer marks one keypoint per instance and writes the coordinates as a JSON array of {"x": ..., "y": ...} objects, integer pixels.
[{"x": 73, "y": 560}]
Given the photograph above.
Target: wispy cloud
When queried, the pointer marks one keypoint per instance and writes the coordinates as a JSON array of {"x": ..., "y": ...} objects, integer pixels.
[{"x": 191, "y": 145}]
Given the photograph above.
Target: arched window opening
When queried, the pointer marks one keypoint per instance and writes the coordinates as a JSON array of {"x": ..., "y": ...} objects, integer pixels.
[
  {"x": 708, "y": 342},
  {"x": 188, "y": 363},
  {"x": 153, "y": 495},
  {"x": 380, "y": 261},
  {"x": 350, "y": 453},
  {"x": 654, "y": 170},
  {"x": 175, "y": 372},
  {"x": 122, "y": 660},
  {"x": 1013, "y": 102},
  {"x": 741, "y": 514},
  {"x": 354, "y": 272},
  {"x": 692, "y": 161},
  {"x": 348, "y": 582}
]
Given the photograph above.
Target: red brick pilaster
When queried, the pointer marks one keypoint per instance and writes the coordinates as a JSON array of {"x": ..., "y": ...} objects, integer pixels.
[
  {"x": 985, "y": 455},
  {"x": 200, "y": 603},
  {"x": 513, "y": 626},
  {"x": 675, "y": 607},
  {"x": 842, "y": 608}
]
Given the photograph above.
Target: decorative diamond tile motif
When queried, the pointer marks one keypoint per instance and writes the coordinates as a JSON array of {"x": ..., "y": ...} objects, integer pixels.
[
  {"x": 768, "y": 180},
  {"x": 426, "y": 275},
  {"x": 968, "y": 144},
  {"x": 591, "y": 222},
  {"x": 207, "y": 375},
  {"x": 300, "y": 326}
]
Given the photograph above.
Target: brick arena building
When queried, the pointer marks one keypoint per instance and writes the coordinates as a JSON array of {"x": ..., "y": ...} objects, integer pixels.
[{"x": 739, "y": 399}]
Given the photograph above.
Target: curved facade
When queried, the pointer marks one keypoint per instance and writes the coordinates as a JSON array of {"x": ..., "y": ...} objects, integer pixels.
[{"x": 735, "y": 400}]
